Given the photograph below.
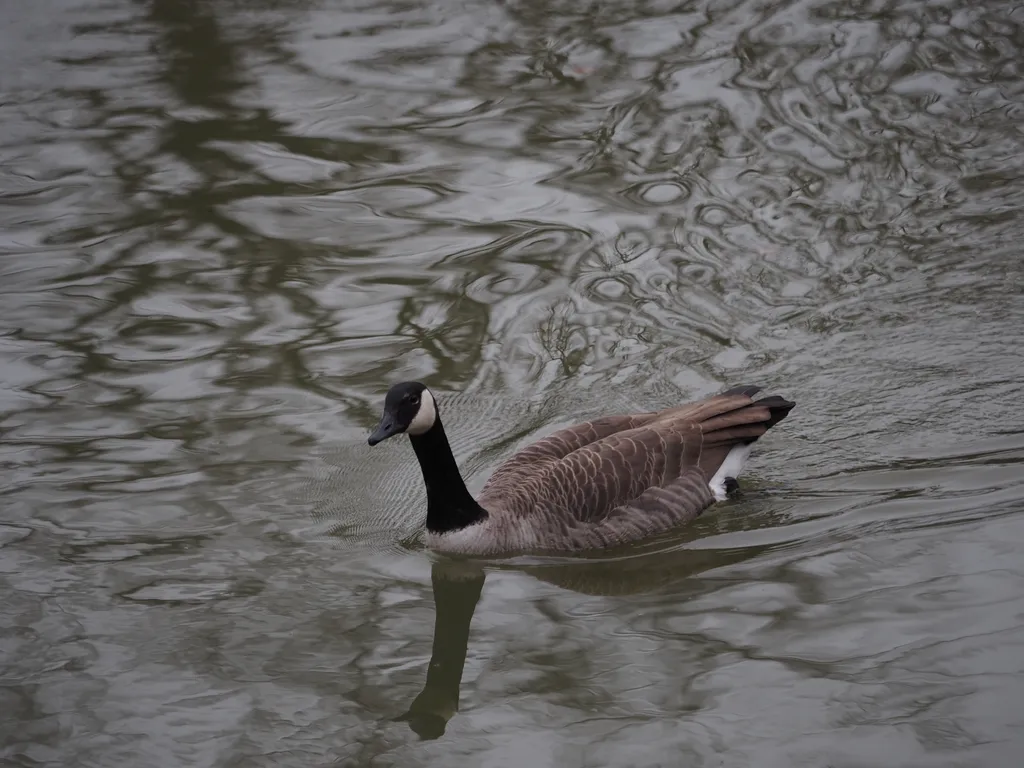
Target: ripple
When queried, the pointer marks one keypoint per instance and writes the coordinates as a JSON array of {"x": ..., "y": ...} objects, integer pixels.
[
  {"x": 175, "y": 592},
  {"x": 12, "y": 534},
  {"x": 120, "y": 551},
  {"x": 663, "y": 193}
]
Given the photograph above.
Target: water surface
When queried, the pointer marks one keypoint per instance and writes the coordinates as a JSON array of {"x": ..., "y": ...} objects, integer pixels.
[{"x": 226, "y": 227}]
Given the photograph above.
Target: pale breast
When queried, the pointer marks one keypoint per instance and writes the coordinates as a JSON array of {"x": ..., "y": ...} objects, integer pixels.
[{"x": 495, "y": 534}]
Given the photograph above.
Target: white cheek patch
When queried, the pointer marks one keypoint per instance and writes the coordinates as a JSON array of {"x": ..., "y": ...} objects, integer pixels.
[{"x": 425, "y": 416}]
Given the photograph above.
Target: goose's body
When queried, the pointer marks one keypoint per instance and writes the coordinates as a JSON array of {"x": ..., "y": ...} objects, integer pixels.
[{"x": 604, "y": 482}]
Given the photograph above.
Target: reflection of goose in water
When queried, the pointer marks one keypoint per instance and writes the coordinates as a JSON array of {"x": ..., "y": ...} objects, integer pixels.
[
  {"x": 607, "y": 481},
  {"x": 457, "y": 586},
  {"x": 456, "y": 591}
]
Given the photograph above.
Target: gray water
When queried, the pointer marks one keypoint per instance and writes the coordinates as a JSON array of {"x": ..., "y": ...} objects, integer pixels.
[{"x": 228, "y": 227}]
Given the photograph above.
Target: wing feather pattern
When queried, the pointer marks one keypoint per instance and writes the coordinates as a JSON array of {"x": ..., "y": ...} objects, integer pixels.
[
  {"x": 540, "y": 455},
  {"x": 621, "y": 478}
]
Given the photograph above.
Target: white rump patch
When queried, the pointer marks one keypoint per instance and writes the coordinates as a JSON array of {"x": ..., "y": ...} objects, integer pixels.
[
  {"x": 425, "y": 416},
  {"x": 731, "y": 467}
]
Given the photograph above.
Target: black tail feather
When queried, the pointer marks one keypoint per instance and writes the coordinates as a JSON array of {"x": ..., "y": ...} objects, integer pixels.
[{"x": 779, "y": 407}]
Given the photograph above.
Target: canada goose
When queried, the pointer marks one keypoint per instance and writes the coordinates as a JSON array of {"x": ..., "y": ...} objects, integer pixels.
[{"x": 608, "y": 481}]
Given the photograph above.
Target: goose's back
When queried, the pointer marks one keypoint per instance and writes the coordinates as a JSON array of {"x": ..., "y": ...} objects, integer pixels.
[{"x": 619, "y": 478}]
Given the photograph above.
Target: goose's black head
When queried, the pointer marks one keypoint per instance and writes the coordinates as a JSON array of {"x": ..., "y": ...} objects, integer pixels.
[{"x": 408, "y": 407}]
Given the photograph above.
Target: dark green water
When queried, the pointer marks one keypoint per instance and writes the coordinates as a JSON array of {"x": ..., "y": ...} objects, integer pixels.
[{"x": 226, "y": 228}]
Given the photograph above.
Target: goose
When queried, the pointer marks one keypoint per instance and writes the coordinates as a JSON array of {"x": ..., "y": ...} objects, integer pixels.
[{"x": 605, "y": 482}]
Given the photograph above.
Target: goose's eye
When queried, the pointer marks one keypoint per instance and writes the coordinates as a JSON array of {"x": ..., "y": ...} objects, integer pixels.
[{"x": 415, "y": 400}]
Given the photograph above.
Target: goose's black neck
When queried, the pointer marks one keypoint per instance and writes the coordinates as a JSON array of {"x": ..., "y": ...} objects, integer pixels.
[{"x": 450, "y": 505}]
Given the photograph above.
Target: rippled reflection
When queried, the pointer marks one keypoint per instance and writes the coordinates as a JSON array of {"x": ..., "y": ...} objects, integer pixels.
[
  {"x": 457, "y": 584},
  {"x": 456, "y": 592},
  {"x": 226, "y": 228}
]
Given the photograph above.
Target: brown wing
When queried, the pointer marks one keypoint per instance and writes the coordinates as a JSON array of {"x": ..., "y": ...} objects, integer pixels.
[
  {"x": 658, "y": 509},
  {"x": 536, "y": 457},
  {"x": 532, "y": 460},
  {"x": 628, "y": 476}
]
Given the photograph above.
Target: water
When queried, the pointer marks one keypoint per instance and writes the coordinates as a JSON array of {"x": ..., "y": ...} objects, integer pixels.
[{"x": 227, "y": 227}]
